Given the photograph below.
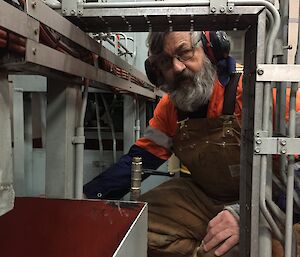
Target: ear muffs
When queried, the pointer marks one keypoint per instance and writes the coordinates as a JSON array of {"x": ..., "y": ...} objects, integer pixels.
[
  {"x": 153, "y": 74},
  {"x": 216, "y": 45}
]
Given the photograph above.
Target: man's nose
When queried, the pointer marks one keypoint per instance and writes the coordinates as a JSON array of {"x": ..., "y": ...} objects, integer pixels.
[{"x": 178, "y": 66}]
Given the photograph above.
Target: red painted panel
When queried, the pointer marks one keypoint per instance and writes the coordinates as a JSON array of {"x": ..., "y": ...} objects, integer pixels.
[{"x": 39, "y": 227}]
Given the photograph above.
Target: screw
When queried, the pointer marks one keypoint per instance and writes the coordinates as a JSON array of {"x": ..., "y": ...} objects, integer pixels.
[
  {"x": 34, "y": 51},
  {"x": 283, "y": 150},
  {"x": 288, "y": 47},
  {"x": 230, "y": 8},
  {"x": 33, "y": 4},
  {"x": 260, "y": 71},
  {"x": 283, "y": 142},
  {"x": 73, "y": 12},
  {"x": 258, "y": 141},
  {"x": 213, "y": 9},
  {"x": 222, "y": 10},
  {"x": 257, "y": 149}
]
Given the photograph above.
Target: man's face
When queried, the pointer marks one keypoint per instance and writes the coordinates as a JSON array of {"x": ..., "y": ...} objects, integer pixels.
[
  {"x": 175, "y": 43},
  {"x": 188, "y": 73}
]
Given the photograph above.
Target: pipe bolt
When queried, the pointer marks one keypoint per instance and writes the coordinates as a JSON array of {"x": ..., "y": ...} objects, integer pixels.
[
  {"x": 283, "y": 142},
  {"x": 283, "y": 150},
  {"x": 260, "y": 71},
  {"x": 222, "y": 10},
  {"x": 258, "y": 141}
]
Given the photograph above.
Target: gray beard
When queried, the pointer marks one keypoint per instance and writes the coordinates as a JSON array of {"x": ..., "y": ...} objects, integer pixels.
[{"x": 191, "y": 90}]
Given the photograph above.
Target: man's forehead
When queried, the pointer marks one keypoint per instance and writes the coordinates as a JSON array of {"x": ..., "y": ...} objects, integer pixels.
[{"x": 174, "y": 40}]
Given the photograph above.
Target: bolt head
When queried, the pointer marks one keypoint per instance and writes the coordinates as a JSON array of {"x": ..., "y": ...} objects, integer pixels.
[
  {"x": 230, "y": 9},
  {"x": 213, "y": 9},
  {"x": 283, "y": 142},
  {"x": 33, "y": 4},
  {"x": 222, "y": 10},
  {"x": 283, "y": 150},
  {"x": 258, "y": 141},
  {"x": 73, "y": 12},
  {"x": 260, "y": 71},
  {"x": 257, "y": 149},
  {"x": 34, "y": 51}
]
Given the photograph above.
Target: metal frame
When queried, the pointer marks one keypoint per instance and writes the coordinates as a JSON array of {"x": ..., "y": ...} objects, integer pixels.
[{"x": 195, "y": 15}]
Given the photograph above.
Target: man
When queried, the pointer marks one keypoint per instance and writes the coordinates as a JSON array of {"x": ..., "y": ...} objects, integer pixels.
[{"x": 186, "y": 215}]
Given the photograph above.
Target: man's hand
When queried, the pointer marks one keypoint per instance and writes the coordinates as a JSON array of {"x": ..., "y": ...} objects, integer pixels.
[{"x": 222, "y": 230}]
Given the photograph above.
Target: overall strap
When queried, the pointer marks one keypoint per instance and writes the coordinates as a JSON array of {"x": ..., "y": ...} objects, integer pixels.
[{"x": 230, "y": 94}]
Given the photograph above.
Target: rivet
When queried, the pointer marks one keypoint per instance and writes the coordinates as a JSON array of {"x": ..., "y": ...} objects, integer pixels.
[
  {"x": 258, "y": 141},
  {"x": 34, "y": 51},
  {"x": 73, "y": 12},
  {"x": 99, "y": 195},
  {"x": 36, "y": 31},
  {"x": 283, "y": 150},
  {"x": 257, "y": 150},
  {"x": 33, "y": 4},
  {"x": 213, "y": 9},
  {"x": 230, "y": 8}
]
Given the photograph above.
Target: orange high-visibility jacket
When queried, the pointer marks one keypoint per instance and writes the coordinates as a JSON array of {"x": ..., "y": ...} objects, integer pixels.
[{"x": 164, "y": 122}]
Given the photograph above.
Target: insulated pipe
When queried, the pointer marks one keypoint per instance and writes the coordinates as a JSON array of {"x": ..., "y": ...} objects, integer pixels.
[
  {"x": 290, "y": 174},
  {"x": 271, "y": 24},
  {"x": 79, "y": 145},
  {"x": 99, "y": 131},
  {"x": 291, "y": 161},
  {"x": 111, "y": 125}
]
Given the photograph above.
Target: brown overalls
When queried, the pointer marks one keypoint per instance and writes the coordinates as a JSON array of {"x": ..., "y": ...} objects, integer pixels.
[{"x": 180, "y": 209}]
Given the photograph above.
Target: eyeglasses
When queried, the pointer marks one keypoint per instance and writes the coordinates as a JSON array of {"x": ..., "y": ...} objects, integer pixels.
[{"x": 165, "y": 62}]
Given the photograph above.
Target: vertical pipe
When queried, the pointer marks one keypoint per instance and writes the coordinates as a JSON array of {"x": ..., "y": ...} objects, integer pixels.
[
  {"x": 291, "y": 161},
  {"x": 111, "y": 124},
  {"x": 99, "y": 131},
  {"x": 79, "y": 146},
  {"x": 136, "y": 178}
]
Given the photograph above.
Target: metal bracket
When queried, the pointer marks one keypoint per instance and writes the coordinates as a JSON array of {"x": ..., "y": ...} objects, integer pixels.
[
  {"x": 72, "y": 7},
  {"x": 276, "y": 145},
  {"x": 221, "y": 6},
  {"x": 278, "y": 72}
]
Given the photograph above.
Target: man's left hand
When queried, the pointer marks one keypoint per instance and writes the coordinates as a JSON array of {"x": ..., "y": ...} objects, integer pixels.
[{"x": 223, "y": 231}]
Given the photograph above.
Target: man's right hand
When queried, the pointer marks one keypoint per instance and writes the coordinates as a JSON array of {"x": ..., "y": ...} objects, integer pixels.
[{"x": 222, "y": 231}]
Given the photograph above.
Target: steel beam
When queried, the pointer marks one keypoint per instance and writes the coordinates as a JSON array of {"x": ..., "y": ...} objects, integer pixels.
[
  {"x": 19, "y": 145},
  {"x": 6, "y": 162},
  {"x": 42, "y": 55},
  {"x": 60, "y": 152}
]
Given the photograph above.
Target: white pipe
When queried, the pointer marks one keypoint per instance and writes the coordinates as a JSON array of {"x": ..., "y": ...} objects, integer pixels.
[
  {"x": 111, "y": 125},
  {"x": 79, "y": 146},
  {"x": 99, "y": 132}
]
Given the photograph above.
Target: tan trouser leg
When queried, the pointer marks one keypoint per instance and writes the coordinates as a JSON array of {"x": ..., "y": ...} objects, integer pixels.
[{"x": 178, "y": 216}]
